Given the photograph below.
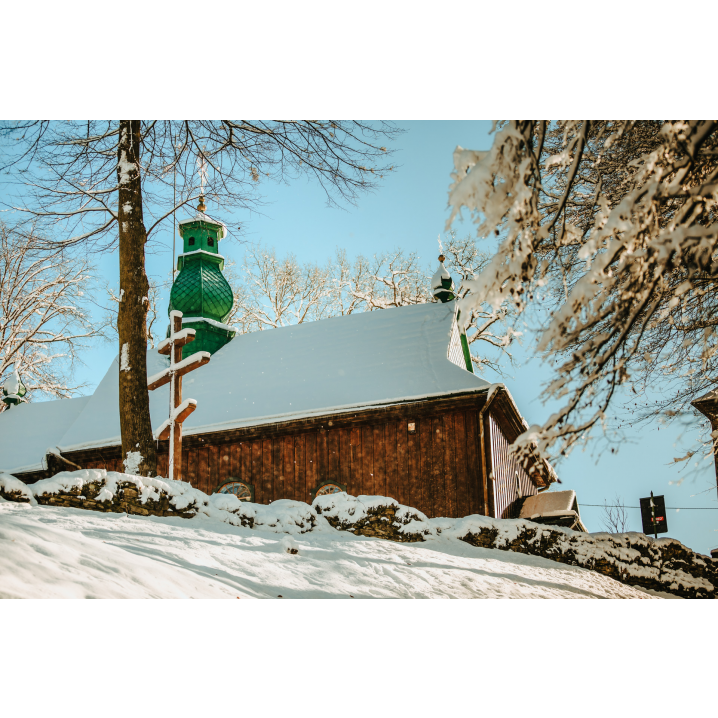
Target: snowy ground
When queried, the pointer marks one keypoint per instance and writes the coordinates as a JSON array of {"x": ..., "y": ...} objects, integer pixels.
[{"x": 50, "y": 552}]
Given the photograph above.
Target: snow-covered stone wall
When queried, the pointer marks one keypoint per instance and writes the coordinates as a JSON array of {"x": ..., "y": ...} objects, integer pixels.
[
  {"x": 663, "y": 565},
  {"x": 376, "y": 516},
  {"x": 109, "y": 491}
]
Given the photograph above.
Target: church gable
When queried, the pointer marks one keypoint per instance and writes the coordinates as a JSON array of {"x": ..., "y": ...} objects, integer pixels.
[{"x": 459, "y": 349}]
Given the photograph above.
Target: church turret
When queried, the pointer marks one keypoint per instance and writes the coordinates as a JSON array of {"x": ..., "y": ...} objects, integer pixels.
[
  {"x": 200, "y": 290},
  {"x": 13, "y": 391},
  {"x": 442, "y": 285}
]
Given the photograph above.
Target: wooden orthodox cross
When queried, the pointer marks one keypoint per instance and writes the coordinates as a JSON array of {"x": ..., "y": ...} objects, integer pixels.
[{"x": 180, "y": 410}]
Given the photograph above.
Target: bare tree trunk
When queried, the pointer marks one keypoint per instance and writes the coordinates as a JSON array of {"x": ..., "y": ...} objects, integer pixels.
[{"x": 138, "y": 446}]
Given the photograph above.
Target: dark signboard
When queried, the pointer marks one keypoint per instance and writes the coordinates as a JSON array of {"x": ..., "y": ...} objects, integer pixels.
[{"x": 653, "y": 515}]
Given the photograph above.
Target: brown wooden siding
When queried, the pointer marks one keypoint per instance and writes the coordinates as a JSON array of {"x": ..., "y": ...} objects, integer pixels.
[
  {"x": 437, "y": 468},
  {"x": 418, "y": 468},
  {"x": 510, "y": 480}
]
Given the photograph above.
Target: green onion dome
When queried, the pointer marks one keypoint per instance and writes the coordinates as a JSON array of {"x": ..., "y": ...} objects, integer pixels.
[{"x": 200, "y": 290}]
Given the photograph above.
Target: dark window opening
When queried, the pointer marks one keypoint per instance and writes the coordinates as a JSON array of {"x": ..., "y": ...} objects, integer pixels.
[
  {"x": 191, "y": 241},
  {"x": 210, "y": 241},
  {"x": 243, "y": 491},
  {"x": 328, "y": 487}
]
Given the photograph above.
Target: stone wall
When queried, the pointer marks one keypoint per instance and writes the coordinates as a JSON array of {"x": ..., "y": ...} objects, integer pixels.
[
  {"x": 126, "y": 500},
  {"x": 375, "y": 516},
  {"x": 663, "y": 565},
  {"x": 92, "y": 493}
]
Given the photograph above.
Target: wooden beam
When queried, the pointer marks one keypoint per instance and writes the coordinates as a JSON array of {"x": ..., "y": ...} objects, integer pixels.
[
  {"x": 165, "y": 433},
  {"x": 165, "y": 346},
  {"x": 166, "y": 377},
  {"x": 400, "y": 413},
  {"x": 392, "y": 412}
]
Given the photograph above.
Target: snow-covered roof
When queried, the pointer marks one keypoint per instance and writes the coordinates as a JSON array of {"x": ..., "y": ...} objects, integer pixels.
[
  {"x": 27, "y": 431},
  {"x": 202, "y": 217},
  {"x": 329, "y": 366},
  {"x": 712, "y": 395},
  {"x": 549, "y": 503}
]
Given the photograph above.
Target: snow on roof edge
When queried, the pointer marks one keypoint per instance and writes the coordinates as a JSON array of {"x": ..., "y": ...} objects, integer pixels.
[
  {"x": 38, "y": 466},
  {"x": 200, "y": 251},
  {"x": 500, "y": 385},
  {"x": 203, "y": 217},
  {"x": 275, "y": 418},
  {"x": 327, "y": 411},
  {"x": 708, "y": 396}
]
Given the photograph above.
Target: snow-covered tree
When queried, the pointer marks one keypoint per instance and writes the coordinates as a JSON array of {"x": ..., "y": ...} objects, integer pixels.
[
  {"x": 389, "y": 279},
  {"x": 484, "y": 327},
  {"x": 611, "y": 225},
  {"x": 270, "y": 291},
  {"x": 274, "y": 292},
  {"x": 108, "y": 183},
  {"x": 43, "y": 317}
]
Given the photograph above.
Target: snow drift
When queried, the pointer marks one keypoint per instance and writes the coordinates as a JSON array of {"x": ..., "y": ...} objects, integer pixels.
[{"x": 663, "y": 565}]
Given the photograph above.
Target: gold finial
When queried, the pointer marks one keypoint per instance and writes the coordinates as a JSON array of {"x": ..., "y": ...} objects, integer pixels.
[
  {"x": 441, "y": 257},
  {"x": 201, "y": 207}
]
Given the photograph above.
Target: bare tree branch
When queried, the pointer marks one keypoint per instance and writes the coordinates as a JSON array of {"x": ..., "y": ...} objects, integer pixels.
[
  {"x": 44, "y": 322},
  {"x": 612, "y": 228}
]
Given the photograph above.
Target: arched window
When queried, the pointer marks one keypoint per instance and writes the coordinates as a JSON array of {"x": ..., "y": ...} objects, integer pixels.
[
  {"x": 191, "y": 241},
  {"x": 210, "y": 241},
  {"x": 242, "y": 490},
  {"x": 329, "y": 488}
]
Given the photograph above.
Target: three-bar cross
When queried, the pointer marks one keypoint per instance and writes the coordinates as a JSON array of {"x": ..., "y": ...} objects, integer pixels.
[{"x": 180, "y": 410}]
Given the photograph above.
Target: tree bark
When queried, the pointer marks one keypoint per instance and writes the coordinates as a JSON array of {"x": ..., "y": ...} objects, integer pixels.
[{"x": 135, "y": 423}]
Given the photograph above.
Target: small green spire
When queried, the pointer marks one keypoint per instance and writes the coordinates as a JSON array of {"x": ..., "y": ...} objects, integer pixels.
[
  {"x": 14, "y": 390},
  {"x": 442, "y": 285}
]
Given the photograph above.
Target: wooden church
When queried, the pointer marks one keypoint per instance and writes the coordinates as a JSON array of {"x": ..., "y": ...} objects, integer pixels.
[{"x": 380, "y": 403}]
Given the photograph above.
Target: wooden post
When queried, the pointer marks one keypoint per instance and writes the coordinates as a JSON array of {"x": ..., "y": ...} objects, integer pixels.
[
  {"x": 175, "y": 462},
  {"x": 180, "y": 410}
]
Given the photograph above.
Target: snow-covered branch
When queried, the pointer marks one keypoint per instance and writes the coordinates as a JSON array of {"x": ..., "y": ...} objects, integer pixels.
[
  {"x": 43, "y": 320},
  {"x": 271, "y": 292},
  {"x": 611, "y": 226}
]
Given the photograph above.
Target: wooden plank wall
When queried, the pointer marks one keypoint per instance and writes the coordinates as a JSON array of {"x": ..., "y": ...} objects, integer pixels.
[
  {"x": 436, "y": 469},
  {"x": 505, "y": 467}
]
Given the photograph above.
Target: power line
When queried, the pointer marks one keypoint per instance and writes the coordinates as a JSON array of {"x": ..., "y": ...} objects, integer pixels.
[{"x": 668, "y": 508}]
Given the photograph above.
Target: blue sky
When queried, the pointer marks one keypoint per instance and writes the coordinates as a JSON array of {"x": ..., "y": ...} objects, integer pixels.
[{"x": 409, "y": 210}]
